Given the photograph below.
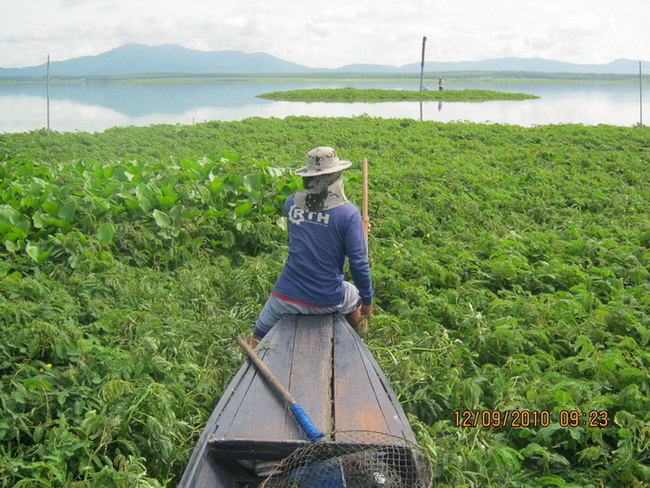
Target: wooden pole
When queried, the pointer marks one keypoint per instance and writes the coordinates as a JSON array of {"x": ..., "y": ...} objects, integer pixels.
[
  {"x": 424, "y": 41},
  {"x": 266, "y": 372},
  {"x": 364, "y": 190},
  {"x": 301, "y": 417},
  {"x": 362, "y": 328},
  {"x": 48, "y": 95}
]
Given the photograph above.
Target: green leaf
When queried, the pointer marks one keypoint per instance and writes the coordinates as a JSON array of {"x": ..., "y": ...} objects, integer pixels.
[
  {"x": 145, "y": 204},
  {"x": 33, "y": 251},
  {"x": 643, "y": 470},
  {"x": 5, "y": 228},
  {"x": 11, "y": 233},
  {"x": 176, "y": 213},
  {"x": 143, "y": 191},
  {"x": 131, "y": 203},
  {"x": 232, "y": 183},
  {"x": 166, "y": 201},
  {"x": 244, "y": 208},
  {"x": 162, "y": 219},
  {"x": 67, "y": 211},
  {"x": 286, "y": 190},
  {"x": 37, "y": 383},
  {"x": 115, "y": 209},
  {"x": 274, "y": 172},
  {"x": 533, "y": 449},
  {"x": 40, "y": 220},
  {"x": 62, "y": 397},
  {"x": 12, "y": 246},
  {"x": 168, "y": 191},
  {"x": 39, "y": 431},
  {"x": 230, "y": 157},
  {"x": 243, "y": 225},
  {"x": 252, "y": 182},
  {"x": 9, "y": 214},
  {"x": 105, "y": 232},
  {"x": 205, "y": 194},
  {"x": 228, "y": 239},
  {"x": 558, "y": 459},
  {"x": 216, "y": 185},
  {"x": 282, "y": 223},
  {"x": 545, "y": 433},
  {"x": 51, "y": 207}
]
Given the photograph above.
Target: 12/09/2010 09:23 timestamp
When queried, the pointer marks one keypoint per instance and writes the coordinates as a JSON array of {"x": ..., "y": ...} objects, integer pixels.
[{"x": 530, "y": 418}]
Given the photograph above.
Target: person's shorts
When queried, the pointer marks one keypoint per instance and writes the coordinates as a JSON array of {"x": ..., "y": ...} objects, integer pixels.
[{"x": 275, "y": 308}]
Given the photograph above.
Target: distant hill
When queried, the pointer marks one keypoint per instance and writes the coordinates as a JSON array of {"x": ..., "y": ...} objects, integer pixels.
[
  {"x": 169, "y": 58},
  {"x": 620, "y": 66},
  {"x": 132, "y": 59}
]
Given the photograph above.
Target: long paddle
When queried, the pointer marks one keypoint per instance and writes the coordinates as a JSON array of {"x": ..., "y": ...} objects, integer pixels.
[
  {"x": 313, "y": 434},
  {"x": 364, "y": 192},
  {"x": 365, "y": 222}
]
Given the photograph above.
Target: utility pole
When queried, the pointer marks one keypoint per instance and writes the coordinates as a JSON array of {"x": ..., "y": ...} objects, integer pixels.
[
  {"x": 640, "y": 96},
  {"x": 424, "y": 41},
  {"x": 48, "y": 95}
]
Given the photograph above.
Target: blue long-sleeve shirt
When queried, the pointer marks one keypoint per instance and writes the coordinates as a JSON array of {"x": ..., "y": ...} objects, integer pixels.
[{"x": 319, "y": 242}]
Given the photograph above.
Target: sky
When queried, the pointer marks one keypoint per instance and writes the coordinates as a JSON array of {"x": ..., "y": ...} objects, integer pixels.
[{"x": 332, "y": 33}]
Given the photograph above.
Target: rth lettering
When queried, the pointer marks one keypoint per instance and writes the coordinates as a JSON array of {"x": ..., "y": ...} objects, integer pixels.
[
  {"x": 321, "y": 218},
  {"x": 298, "y": 216}
]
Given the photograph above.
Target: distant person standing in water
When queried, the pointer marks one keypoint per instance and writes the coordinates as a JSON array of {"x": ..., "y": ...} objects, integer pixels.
[
  {"x": 441, "y": 84},
  {"x": 325, "y": 229}
]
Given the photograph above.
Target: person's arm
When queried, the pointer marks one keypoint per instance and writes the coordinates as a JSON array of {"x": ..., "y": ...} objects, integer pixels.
[{"x": 357, "y": 252}]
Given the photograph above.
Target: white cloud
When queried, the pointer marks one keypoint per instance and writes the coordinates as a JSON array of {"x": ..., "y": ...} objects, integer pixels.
[{"x": 332, "y": 33}]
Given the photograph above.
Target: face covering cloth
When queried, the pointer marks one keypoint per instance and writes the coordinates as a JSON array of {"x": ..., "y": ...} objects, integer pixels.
[{"x": 322, "y": 192}]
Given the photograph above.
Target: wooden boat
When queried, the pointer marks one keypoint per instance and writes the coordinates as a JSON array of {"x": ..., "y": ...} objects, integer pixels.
[{"x": 328, "y": 369}]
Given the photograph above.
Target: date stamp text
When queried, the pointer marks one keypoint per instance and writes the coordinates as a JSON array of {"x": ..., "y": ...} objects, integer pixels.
[{"x": 530, "y": 418}]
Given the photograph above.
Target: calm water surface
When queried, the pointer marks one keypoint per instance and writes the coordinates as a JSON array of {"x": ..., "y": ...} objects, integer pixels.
[{"x": 98, "y": 106}]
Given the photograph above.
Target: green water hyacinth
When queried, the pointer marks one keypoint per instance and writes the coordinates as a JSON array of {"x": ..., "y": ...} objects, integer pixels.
[
  {"x": 376, "y": 95},
  {"x": 511, "y": 267}
]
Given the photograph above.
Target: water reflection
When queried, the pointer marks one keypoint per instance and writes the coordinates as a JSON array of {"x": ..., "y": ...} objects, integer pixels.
[
  {"x": 97, "y": 106},
  {"x": 422, "y": 109}
]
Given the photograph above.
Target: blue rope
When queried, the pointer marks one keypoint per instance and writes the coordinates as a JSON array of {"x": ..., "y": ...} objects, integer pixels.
[{"x": 313, "y": 434}]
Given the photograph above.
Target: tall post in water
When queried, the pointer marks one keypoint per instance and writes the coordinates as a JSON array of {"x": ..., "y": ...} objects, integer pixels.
[
  {"x": 640, "y": 96},
  {"x": 424, "y": 41},
  {"x": 48, "y": 95}
]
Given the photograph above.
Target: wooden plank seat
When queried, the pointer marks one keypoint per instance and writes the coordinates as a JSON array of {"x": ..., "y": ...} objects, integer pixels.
[{"x": 330, "y": 372}]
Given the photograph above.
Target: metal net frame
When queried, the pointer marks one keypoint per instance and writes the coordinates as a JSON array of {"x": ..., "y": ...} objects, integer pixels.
[{"x": 354, "y": 459}]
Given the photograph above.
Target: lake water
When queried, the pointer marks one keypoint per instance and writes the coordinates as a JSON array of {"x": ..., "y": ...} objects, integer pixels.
[{"x": 97, "y": 106}]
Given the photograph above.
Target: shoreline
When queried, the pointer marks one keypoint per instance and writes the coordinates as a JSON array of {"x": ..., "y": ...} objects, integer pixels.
[{"x": 484, "y": 76}]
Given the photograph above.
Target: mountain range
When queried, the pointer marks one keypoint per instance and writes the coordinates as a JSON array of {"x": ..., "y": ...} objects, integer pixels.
[{"x": 131, "y": 59}]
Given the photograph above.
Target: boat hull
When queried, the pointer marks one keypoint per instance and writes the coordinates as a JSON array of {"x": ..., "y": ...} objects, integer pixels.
[{"x": 330, "y": 372}]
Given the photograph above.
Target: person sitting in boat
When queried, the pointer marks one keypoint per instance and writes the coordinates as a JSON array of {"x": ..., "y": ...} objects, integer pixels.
[{"x": 324, "y": 228}]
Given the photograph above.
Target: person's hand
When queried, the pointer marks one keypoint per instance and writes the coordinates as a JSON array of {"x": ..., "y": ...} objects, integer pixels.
[
  {"x": 366, "y": 309},
  {"x": 367, "y": 226},
  {"x": 255, "y": 340}
]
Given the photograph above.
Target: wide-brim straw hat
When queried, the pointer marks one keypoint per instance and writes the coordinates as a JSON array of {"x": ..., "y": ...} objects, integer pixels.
[{"x": 321, "y": 161}]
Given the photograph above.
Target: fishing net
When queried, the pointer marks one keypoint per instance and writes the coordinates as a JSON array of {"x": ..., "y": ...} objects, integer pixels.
[{"x": 358, "y": 459}]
